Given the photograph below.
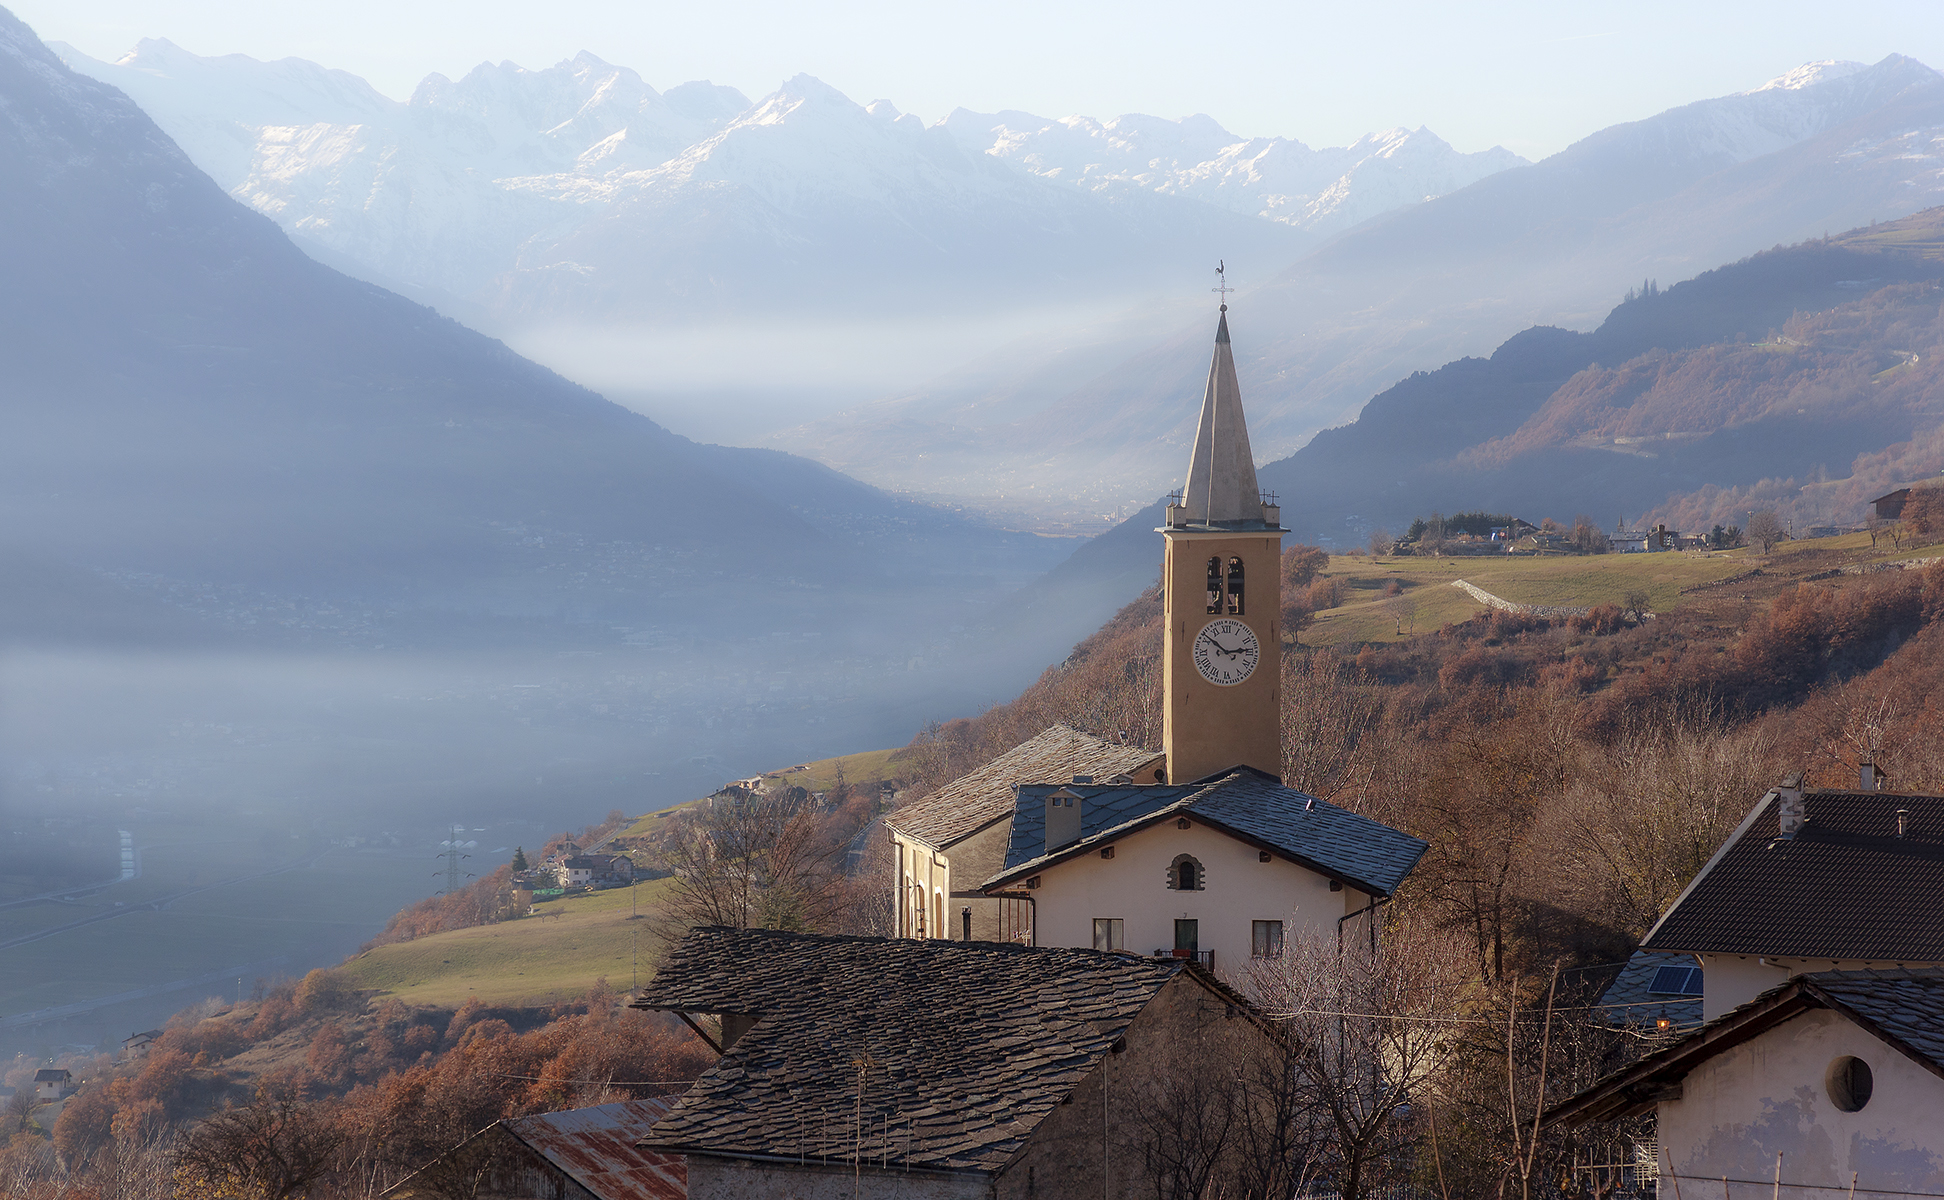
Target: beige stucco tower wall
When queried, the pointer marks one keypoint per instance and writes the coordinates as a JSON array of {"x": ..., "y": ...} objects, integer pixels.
[{"x": 1209, "y": 727}]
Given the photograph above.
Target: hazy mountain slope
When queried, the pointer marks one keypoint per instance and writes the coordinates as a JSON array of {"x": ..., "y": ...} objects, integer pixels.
[
  {"x": 1553, "y": 243},
  {"x": 189, "y": 394}
]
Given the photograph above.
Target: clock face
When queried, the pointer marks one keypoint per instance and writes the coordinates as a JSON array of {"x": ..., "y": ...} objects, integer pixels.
[{"x": 1226, "y": 652}]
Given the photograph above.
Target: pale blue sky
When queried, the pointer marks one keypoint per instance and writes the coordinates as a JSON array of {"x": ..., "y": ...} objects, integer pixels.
[{"x": 1530, "y": 75}]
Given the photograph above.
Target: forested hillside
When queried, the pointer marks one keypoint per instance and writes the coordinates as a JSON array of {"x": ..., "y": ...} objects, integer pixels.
[{"x": 1804, "y": 362}]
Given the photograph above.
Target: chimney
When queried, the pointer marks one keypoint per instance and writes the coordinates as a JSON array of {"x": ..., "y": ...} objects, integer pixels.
[
  {"x": 1062, "y": 819},
  {"x": 1868, "y": 779},
  {"x": 1903, "y": 821},
  {"x": 1792, "y": 811}
]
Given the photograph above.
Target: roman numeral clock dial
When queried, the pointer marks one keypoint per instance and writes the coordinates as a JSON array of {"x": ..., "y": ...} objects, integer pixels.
[{"x": 1226, "y": 652}]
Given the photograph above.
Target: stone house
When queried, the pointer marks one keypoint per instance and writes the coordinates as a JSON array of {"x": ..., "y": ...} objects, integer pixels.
[
  {"x": 1841, "y": 1072},
  {"x": 52, "y": 1083},
  {"x": 954, "y": 839},
  {"x": 580, "y": 1154},
  {"x": 909, "y": 1067}
]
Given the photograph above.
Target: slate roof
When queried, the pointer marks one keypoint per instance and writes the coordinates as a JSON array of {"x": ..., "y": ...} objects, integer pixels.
[
  {"x": 971, "y": 1044},
  {"x": 977, "y": 799},
  {"x": 596, "y": 1148},
  {"x": 1631, "y": 999},
  {"x": 1844, "y": 887},
  {"x": 1246, "y": 803},
  {"x": 1903, "y": 1008},
  {"x": 51, "y": 1075}
]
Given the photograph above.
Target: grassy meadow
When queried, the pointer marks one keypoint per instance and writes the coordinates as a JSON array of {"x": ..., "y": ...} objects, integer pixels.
[{"x": 556, "y": 954}]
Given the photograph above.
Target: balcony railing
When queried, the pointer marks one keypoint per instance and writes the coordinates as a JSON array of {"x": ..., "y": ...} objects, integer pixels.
[{"x": 1205, "y": 957}]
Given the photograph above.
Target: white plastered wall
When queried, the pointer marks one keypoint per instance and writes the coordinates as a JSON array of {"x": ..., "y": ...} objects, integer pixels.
[
  {"x": 1768, "y": 1094},
  {"x": 1731, "y": 980},
  {"x": 1238, "y": 889}
]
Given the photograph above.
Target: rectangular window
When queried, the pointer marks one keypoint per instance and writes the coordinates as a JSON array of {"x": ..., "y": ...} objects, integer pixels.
[
  {"x": 1265, "y": 939},
  {"x": 1110, "y": 933},
  {"x": 1187, "y": 935}
]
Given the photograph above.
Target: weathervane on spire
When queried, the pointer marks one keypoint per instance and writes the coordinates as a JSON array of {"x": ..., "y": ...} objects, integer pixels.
[{"x": 1221, "y": 282}]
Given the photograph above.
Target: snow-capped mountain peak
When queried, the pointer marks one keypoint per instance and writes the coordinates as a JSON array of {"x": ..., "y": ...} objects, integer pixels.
[
  {"x": 1280, "y": 179},
  {"x": 1809, "y": 73}
]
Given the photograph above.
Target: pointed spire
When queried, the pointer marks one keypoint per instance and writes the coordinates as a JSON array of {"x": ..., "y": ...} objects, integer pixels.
[{"x": 1221, "y": 476}]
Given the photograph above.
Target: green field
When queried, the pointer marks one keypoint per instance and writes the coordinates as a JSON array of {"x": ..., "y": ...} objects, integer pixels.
[
  {"x": 1561, "y": 580},
  {"x": 556, "y": 954}
]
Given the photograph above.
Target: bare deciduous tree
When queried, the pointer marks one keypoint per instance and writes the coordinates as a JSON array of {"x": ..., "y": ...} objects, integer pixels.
[
  {"x": 1642, "y": 816},
  {"x": 756, "y": 859},
  {"x": 1368, "y": 1026},
  {"x": 1325, "y": 713},
  {"x": 1765, "y": 529},
  {"x": 276, "y": 1147}
]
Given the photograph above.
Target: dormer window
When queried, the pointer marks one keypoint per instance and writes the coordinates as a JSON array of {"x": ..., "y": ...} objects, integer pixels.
[
  {"x": 1214, "y": 585},
  {"x": 1185, "y": 874},
  {"x": 1235, "y": 587}
]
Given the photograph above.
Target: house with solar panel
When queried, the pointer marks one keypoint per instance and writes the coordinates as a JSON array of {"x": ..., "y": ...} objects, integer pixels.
[
  {"x": 1813, "y": 880},
  {"x": 1197, "y": 851},
  {"x": 1814, "y": 940}
]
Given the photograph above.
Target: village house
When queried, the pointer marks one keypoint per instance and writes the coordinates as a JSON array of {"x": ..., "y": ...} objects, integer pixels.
[
  {"x": 1197, "y": 851},
  {"x": 1813, "y": 881},
  {"x": 580, "y": 1154},
  {"x": 137, "y": 1045},
  {"x": 907, "y": 1067},
  {"x": 1221, "y": 870},
  {"x": 954, "y": 839},
  {"x": 52, "y": 1083},
  {"x": 1842, "y": 1072},
  {"x": 595, "y": 870}
]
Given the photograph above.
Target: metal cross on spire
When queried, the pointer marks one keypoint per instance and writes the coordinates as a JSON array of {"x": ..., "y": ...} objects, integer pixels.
[{"x": 1221, "y": 282}]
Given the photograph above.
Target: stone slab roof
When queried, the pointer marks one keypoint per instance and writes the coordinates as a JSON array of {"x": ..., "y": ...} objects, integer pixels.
[
  {"x": 1642, "y": 993},
  {"x": 1903, "y": 1008},
  {"x": 1247, "y": 803},
  {"x": 1844, "y": 887},
  {"x": 977, "y": 799},
  {"x": 967, "y": 1046}
]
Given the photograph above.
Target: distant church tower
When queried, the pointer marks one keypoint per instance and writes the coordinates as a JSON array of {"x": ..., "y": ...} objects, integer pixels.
[{"x": 1222, "y": 580}]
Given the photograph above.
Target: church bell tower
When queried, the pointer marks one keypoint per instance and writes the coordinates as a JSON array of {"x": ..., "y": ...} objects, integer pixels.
[{"x": 1222, "y": 584}]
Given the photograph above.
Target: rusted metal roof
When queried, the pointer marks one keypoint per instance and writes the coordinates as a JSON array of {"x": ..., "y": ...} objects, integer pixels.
[{"x": 596, "y": 1148}]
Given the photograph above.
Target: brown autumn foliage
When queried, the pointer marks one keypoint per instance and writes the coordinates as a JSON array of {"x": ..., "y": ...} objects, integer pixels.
[{"x": 366, "y": 1098}]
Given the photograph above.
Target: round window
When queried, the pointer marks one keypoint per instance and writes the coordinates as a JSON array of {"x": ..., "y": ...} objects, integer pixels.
[{"x": 1849, "y": 1083}]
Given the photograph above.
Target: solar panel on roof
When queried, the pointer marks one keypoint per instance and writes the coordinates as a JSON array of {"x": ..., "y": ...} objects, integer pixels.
[{"x": 1676, "y": 981}]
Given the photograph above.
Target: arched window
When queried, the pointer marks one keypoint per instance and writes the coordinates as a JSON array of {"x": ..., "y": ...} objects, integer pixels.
[
  {"x": 1214, "y": 585},
  {"x": 938, "y": 916},
  {"x": 1185, "y": 874},
  {"x": 1235, "y": 587}
]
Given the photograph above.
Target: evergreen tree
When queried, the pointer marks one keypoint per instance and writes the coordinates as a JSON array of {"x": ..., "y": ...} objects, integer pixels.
[{"x": 519, "y": 858}]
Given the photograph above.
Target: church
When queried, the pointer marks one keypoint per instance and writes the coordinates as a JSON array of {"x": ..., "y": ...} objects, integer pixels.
[{"x": 1196, "y": 850}]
